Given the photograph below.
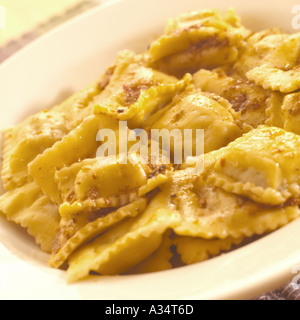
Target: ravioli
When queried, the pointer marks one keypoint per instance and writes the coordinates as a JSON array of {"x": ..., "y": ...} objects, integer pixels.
[
  {"x": 135, "y": 90},
  {"x": 276, "y": 79},
  {"x": 124, "y": 246},
  {"x": 160, "y": 260},
  {"x": 175, "y": 155},
  {"x": 284, "y": 113},
  {"x": 247, "y": 98},
  {"x": 79, "y": 144},
  {"x": 21, "y": 144},
  {"x": 77, "y": 107},
  {"x": 81, "y": 228},
  {"x": 80, "y": 105},
  {"x": 262, "y": 165},
  {"x": 87, "y": 185},
  {"x": 202, "y": 39},
  {"x": 194, "y": 250},
  {"x": 291, "y": 113},
  {"x": 210, "y": 212},
  {"x": 272, "y": 61},
  {"x": 28, "y": 207},
  {"x": 194, "y": 110}
]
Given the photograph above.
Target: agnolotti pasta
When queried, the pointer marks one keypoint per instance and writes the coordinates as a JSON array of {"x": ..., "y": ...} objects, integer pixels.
[{"x": 114, "y": 180}]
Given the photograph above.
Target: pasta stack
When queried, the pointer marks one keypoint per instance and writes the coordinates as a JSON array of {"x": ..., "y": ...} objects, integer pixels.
[{"x": 206, "y": 71}]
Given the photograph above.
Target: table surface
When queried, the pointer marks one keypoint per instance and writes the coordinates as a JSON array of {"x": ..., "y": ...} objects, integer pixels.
[{"x": 17, "y": 30}]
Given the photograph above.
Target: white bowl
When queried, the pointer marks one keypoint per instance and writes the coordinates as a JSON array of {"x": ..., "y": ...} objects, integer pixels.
[{"x": 70, "y": 57}]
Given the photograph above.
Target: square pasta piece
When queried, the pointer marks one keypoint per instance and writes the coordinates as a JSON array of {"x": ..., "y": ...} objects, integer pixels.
[
  {"x": 81, "y": 143},
  {"x": 262, "y": 165},
  {"x": 22, "y": 143},
  {"x": 192, "y": 110},
  {"x": 255, "y": 105},
  {"x": 125, "y": 69},
  {"x": 92, "y": 204},
  {"x": 78, "y": 229},
  {"x": 87, "y": 185},
  {"x": 125, "y": 245},
  {"x": 136, "y": 90},
  {"x": 127, "y": 72},
  {"x": 209, "y": 212},
  {"x": 200, "y": 39},
  {"x": 272, "y": 60},
  {"x": 28, "y": 207}
]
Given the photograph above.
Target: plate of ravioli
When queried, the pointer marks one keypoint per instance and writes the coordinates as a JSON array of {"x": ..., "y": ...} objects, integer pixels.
[{"x": 78, "y": 225}]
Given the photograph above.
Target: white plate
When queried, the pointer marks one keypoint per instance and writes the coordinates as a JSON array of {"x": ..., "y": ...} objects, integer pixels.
[{"x": 64, "y": 61}]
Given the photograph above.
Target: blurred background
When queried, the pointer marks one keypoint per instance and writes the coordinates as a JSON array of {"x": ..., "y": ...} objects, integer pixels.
[{"x": 21, "y": 21}]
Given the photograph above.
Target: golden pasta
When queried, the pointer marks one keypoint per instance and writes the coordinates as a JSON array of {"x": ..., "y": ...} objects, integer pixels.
[
  {"x": 209, "y": 212},
  {"x": 125, "y": 245},
  {"x": 291, "y": 112},
  {"x": 72, "y": 233},
  {"x": 24, "y": 142},
  {"x": 272, "y": 61},
  {"x": 205, "y": 39},
  {"x": 194, "y": 109},
  {"x": 97, "y": 184},
  {"x": 159, "y": 260},
  {"x": 262, "y": 165},
  {"x": 193, "y": 249},
  {"x": 86, "y": 186},
  {"x": 245, "y": 97},
  {"x": 135, "y": 90},
  {"x": 31, "y": 209},
  {"x": 74, "y": 147}
]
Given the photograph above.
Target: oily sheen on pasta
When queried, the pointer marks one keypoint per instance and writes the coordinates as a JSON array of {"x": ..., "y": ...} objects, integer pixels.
[{"x": 139, "y": 210}]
